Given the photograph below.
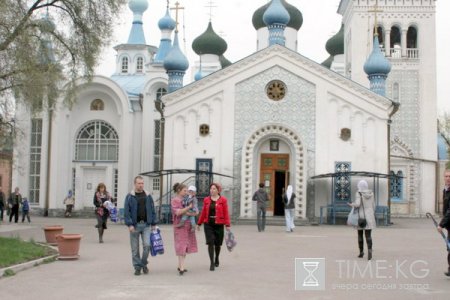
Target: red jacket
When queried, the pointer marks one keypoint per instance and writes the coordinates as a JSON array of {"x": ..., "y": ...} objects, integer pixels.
[{"x": 222, "y": 216}]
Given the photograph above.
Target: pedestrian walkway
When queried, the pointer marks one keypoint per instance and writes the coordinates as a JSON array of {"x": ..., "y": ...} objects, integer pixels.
[{"x": 409, "y": 261}]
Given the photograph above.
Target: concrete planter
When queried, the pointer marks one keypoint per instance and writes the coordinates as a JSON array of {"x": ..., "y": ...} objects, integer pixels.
[
  {"x": 51, "y": 232},
  {"x": 68, "y": 245}
]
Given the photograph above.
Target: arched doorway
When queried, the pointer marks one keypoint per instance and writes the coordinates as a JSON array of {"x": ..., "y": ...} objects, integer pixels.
[
  {"x": 288, "y": 167},
  {"x": 95, "y": 161}
]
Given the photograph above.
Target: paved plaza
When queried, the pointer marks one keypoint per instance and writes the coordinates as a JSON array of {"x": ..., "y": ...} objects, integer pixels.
[{"x": 409, "y": 261}]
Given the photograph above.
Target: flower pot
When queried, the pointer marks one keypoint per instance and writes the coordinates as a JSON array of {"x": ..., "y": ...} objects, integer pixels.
[
  {"x": 68, "y": 245},
  {"x": 51, "y": 232}
]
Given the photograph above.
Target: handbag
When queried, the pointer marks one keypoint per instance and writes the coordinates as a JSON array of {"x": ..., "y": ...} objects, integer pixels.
[
  {"x": 353, "y": 216},
  {"x": 156, "y": 242},
  {"x": 230, "y": 241},
  {"x": 362, "y": 222}
]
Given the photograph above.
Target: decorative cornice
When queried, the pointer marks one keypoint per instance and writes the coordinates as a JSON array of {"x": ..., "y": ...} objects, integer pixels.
[{"x": 264, "y": 55}]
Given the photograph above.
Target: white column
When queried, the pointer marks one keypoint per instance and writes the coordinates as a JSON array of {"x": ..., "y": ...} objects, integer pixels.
[
  {"x": 404, "y": 42},
  {"x": 387, "y": 42}
]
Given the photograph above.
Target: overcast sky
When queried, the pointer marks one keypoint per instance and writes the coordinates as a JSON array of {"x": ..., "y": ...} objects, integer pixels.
[{"x": 232, "y": 19}]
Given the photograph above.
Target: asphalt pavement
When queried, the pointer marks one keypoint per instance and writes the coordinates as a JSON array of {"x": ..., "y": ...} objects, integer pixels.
[{"x": 313, "y": 262}]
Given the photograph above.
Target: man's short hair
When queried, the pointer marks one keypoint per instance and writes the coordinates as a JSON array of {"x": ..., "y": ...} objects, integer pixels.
[
  {"x": 261, "y": 185},
  {"x": 138, "y": 177}
]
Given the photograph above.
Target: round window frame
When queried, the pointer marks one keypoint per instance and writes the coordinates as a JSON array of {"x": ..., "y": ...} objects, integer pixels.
[{"x": 274, "y": 97}]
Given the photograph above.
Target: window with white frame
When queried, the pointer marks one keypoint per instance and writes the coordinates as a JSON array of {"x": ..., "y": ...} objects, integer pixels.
[
  {"x": 139, "y": 65},
  {"x": 97, "y": 141},
  {"x": 35, "y": 159},
  {"x": 124, "y": 64}
]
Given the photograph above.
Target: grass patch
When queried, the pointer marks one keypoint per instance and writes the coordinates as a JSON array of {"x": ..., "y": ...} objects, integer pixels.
[{"x": 14, "y": 251}]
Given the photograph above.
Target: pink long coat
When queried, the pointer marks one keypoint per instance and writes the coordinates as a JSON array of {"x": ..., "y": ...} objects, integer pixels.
[{"x": 185, "y": 240}]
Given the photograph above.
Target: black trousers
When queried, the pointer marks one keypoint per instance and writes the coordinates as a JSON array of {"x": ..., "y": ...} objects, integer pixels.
[{"x": 15, "y": 213}]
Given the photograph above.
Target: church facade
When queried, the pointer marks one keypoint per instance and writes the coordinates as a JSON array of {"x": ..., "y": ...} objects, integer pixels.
[{"x": 275, "y": 116}]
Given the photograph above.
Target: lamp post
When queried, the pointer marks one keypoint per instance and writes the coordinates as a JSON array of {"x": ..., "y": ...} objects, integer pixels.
[{"x": 159, "y": 105}]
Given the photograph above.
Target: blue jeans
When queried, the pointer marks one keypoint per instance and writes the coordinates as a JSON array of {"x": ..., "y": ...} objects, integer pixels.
[
  {"x": 141, "y": 230},
  {"x": 261, "y": 217}
]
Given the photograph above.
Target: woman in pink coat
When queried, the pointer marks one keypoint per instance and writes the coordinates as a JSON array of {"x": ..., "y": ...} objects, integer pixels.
[{"x": 185, "y": 240}]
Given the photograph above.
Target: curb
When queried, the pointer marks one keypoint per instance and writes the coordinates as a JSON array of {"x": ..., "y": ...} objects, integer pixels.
[{"x": 27, "y": 265}]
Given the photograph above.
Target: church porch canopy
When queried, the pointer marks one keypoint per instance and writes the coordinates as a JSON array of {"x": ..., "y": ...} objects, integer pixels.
[{"x": 333, "y": 206}]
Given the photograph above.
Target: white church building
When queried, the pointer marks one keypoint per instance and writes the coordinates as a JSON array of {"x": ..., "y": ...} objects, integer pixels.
[{"x": 274, "y": 116}]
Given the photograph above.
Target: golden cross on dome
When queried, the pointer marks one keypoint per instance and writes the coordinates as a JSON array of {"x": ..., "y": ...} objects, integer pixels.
[
  {"x": 210, "y": 5},
  {"x": 375, "y": 10},
  {"x": 176, "y": 8}
]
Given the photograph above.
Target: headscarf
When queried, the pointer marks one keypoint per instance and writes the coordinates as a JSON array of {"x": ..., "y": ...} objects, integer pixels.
[
  {"x": 362, "y": 186},
  {"x": 69, "y": 195},
  {"x": 289, "y": 193}
]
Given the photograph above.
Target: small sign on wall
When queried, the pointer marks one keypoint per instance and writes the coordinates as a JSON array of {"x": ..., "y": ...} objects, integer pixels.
[
  {"x": 89, "y": 186},
  {"x": 274, "y": 145}
]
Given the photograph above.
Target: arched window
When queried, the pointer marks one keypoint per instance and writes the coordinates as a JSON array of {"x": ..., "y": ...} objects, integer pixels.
[
  {"x": 397, "y": 186},
  {"x": 139, "y": 65},
  {"x": 97, "y": 104},
  {"x": 411, "y": 43},
  {"x": 160, "y": 92},
  {"x": 411, "y": 37},
  {"x": 396, "y": 42},
  {"x": 97, "y": 141},
  {"x": 125, "y": 65},
  {"x": 380, "y": 32}
]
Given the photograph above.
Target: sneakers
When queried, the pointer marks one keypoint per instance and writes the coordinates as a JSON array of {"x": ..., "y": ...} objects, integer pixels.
[
  {"x": 145, "y": 270},
  {"x": 137, "y": 272}
]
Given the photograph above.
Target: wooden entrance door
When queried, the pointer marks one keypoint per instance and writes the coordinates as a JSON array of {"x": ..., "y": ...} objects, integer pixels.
[{"x": 273, "y": 167}]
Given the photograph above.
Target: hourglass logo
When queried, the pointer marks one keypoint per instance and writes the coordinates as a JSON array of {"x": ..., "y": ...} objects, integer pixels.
[{"x": 309, "y": 273}]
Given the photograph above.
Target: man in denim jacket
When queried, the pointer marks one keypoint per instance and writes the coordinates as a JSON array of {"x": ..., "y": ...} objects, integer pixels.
[{"x": 139, "y": 213}]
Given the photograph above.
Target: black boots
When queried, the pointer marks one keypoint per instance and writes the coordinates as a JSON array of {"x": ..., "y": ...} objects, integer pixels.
[
  {"x": 448, "y": 272},
  {"x": 369, "y": 256},
  {"x": 361, "y": 246}
]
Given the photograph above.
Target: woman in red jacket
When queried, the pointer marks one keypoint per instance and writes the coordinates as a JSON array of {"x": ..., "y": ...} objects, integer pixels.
[{"x": 214, "y": 215}]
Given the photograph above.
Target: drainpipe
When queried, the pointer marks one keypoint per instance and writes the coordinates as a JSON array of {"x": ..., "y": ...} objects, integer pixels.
[{"x": 394, "y": 110}]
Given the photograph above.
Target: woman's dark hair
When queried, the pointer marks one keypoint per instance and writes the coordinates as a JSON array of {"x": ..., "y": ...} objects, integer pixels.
[
  {"x": 101, "y": 185},
  {"x": 178, "y": 187},
  {"x": 261, "y": 185}
]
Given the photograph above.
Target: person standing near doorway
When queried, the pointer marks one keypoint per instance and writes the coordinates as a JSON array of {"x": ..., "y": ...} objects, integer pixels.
[
  {"x": 13, "y": 202},
  {"x": 69, "y": 201},
  {"x": 289, "y": 208},
  {"x": 139, "y": 214},
  {"x": 102, "y": 213},
  {"x": 261, "y": 197}
]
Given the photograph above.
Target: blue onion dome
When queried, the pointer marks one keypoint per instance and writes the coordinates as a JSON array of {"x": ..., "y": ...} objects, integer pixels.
[
  {"x": 377, "y": 63},
  {"x": 276, "y": 13},
  {"x": 167, "y": 22},
  {"x": 209, "y": 43},
  {"x": 335, "y": 44},
  {"x": 138, "y": 6},
  {"x": 295, "y": 21},
  {"x": 327, "y": 63},
  {"x": 198, "y": 75},
  {"x": 175, "y": 59},
  {"x": 224, "y": 62}
]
